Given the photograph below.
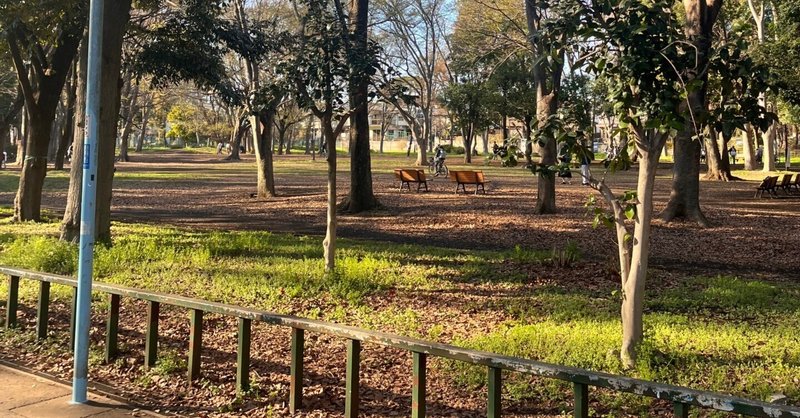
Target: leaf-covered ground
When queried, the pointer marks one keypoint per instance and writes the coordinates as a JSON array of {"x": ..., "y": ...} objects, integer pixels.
[{"x": 722, "y": 301}]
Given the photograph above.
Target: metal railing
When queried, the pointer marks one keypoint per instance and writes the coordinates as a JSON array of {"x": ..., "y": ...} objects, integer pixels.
[{"x": 682, "y": 398}]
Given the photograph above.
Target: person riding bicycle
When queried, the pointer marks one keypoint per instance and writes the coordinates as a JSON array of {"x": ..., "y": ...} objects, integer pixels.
[{"x": 439, "y": 158}]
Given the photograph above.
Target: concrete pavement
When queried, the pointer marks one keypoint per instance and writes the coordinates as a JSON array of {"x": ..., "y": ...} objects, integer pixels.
[{"x": 30, "y": 396}]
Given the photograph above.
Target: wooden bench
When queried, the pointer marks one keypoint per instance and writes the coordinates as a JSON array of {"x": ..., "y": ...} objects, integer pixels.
[
  {"x": 785, "y": 184},
  {"x": 796, "y": 183},
  {"x": 767, "y": 185},
  {"x": 408, "y": 176},
  {"x": 462, "y": 178}
]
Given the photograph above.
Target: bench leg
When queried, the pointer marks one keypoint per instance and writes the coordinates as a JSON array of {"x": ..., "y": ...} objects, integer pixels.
[{"x": 426, "y": 185}]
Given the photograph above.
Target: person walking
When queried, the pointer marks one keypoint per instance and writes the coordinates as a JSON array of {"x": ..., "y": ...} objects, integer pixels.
[
  {"x": 585, "y": 175},
  {"x": 732, "y": 153}
]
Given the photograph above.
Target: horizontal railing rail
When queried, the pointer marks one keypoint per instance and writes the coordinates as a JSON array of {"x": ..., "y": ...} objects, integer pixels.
[{"x": 681, "y": 397}]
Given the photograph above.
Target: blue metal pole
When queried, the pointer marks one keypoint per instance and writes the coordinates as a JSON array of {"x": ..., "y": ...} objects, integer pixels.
[{"x": 88, "y": 197}]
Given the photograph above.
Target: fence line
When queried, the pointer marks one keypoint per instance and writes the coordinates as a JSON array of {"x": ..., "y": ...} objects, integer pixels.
[{"x": 682, "y": 398}]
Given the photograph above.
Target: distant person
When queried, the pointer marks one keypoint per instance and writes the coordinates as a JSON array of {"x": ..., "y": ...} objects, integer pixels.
[
  {"x": 3, "y": 160},
  {"x": 759, "y": 155},
  {"x": 585, "y": 175},
  {"x": 702, "y": 155},
  {"x": 439, "y": 157},
  {"x": 219, "y": 148},
  {"x": 564, "y": 171},
  {"x": 69, "y": 154},
  {"x": 241, "y": 149},
  {"x": 732, "y": 153}
]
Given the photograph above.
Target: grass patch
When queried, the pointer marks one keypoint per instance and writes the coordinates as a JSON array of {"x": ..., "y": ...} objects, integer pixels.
[{"x": 718, "y": 333}]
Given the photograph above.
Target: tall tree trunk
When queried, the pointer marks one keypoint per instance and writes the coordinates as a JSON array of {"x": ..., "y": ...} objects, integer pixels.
[
  {"x": 361, "y": 197},
  {"x": 749, "y": 150},
  {"x": 128, "y": 123},
  {"x": 64, "y": 140},
  {"x": 329, "y": 243},
  {"x": 261, "y": 126},
  {"x": 281, "y": 140},
  {"x": 143, "y": 132},
  {"x": 28, "y": 202},
  {"x": 467, "y": 135},
  {"x": 684, "y": 199},
  {"x": 116, "y": 15},
  {"x": 546, "y": 190},
  {"x": 769, "y": 148},
  {"x": 236, "y": 140},
  {"x": 71, "y": 223}
]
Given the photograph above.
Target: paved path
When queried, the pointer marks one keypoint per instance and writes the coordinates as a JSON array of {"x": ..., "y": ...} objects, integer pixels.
[{"x": 27, "y": 395}]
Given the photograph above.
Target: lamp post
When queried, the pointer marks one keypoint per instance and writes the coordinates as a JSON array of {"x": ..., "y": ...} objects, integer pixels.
[{"x": 80, "y": 370}]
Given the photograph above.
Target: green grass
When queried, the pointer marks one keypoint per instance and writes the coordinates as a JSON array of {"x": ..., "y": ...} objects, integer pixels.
[{"x": 719, "y": 333}]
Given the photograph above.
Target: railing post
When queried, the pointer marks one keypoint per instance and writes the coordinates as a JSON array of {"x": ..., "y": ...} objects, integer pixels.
[
  {"x": 151, "y": 336},
  {"x": 72, "y": 317},
  {"x": 12, "y": 303},
  {"x": 418, "y": 385},
  {"x": 495, "y": 390},
  {"x": 296, "y": 384},
  {"x": 195, "y": 343},
  {"x": 581, "y": 391},
  {"x": 43, "y": 310},
  {"x": 681, "y": 410},
  {"x": 112, "y": 328},
  {"x": 243, "y": 357},
  {"x": 351, "y": 392}
]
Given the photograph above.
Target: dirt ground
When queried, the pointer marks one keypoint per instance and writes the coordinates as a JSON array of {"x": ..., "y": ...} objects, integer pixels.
[{"x": 753, "y": 238}]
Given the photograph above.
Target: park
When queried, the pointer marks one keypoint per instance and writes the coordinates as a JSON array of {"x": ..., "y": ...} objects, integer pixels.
[{"x": 428, "y": 208}]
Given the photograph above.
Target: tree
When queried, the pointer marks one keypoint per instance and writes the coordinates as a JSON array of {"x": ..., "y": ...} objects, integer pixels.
[
  {"x": 360, "y": 53},
  {"x": 735, "y": 82},
  {"x": 319, "y": 69},
  {"x": 50, "y": 54},
  {"x": 412, "y": 35},
  {"x": 637, "y": 50},
  {"x": 550, "y": 27},
  {"x": 116, "y": 15},
  {"x": 684, "y": 200},
  {"x": 468, "y": 100}
]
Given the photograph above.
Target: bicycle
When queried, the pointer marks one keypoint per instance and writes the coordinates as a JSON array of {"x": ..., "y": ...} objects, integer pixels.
[{"x": 437, "y": 171}]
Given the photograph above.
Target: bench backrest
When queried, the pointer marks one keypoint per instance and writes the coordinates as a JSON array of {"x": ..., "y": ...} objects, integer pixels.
[
  {"x": 797, "y": 179},
  {"x": 466, "y": 177},
  {"x": 479, "y": 177},
  {"x": 410, "y": 175},
  {"x": 774, "y": 181},
  {"x": 787, "y": 180}
]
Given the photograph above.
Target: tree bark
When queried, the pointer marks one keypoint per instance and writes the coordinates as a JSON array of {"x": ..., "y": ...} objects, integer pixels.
[
  {"x": 749, "y": 150},
  {"x": 69, "y": 124},
  {"x": 143, "y": 132},
  {"x": 128, "y": 124},
  {"x": 236, "y": 141},
  {"x": 546, "y": 190},
  {"x": 261, "y": 126},
  {"x": 769, "y": 148},
  {"x": 467, "y": 134},
  {"x": 71, "y": 223}
]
